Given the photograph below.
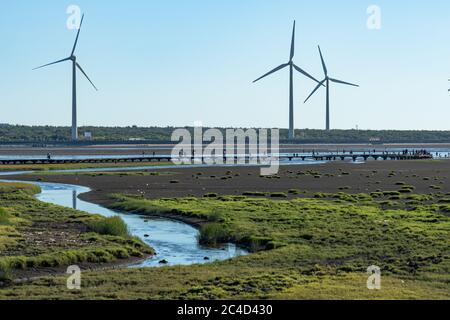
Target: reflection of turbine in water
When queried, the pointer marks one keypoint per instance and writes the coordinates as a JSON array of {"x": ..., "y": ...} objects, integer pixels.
[{"x": 74, "y": 199}]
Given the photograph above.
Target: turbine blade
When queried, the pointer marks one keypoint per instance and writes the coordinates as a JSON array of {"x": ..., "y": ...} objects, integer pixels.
[
  {"x": 78, "y": 34},
  {"x": 306, "y": 74},
  {"x": 49, "y": 64},
  {"x": 343, "y": 82},
  {"x": 273, "y": 71},
  {"x": 314, "y": 91},
  {"x": 292, "y": 44},
  {"x": 325, "y": 70},
  {"x": 81, "y": 69}
]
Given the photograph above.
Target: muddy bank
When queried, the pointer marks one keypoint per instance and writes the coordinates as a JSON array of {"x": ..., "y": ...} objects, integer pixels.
[
  {"x": 425, "y": 176},
  {"x": 29, "y": 275}
]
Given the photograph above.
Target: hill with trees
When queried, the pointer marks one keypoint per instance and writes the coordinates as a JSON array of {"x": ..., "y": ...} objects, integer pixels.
[{"x": 10, "y": 134}]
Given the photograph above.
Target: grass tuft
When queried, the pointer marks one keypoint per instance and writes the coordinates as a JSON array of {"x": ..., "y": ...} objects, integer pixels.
[
  {"x": 5, "y": 272},
  {"x": 213, "y": 234},
  {"x": 4, "y": 217},
  {"x": 113, "y": 226},
  {"x": 278, "y": 195}
]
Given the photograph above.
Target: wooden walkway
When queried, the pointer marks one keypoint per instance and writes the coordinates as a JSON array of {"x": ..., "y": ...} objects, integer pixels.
[
  {"x": 366, "y": 156},
  {"x": 142, "y": 159},
  {"x": 168, "y": 158}
]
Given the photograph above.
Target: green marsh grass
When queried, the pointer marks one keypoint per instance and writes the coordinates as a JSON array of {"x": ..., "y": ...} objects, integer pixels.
[
  {"x": 29, "y": 229},
  {"x": 113, "y": 226},
  {"x": 304, "y": 248}
]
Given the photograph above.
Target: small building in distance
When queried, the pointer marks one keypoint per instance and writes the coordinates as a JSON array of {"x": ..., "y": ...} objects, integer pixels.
[
  {"x": 375, "y": 140},
  {"x": 88, "y": 135}
]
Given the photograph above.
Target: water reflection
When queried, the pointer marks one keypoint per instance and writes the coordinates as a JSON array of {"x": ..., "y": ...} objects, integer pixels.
[
  {"x": 174, "y": 242},
  {"x": 74, "y": 199}
]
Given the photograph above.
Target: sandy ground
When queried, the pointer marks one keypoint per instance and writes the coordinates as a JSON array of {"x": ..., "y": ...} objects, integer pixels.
[{"x": 354, "y": 178}]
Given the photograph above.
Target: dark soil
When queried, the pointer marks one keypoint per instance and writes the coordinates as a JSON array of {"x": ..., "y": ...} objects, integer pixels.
[{"x": 426, "y": 177}]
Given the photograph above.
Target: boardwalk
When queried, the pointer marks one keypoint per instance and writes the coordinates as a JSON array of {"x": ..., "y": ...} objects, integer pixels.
[
  {"x": 168, "y": 158},
  {"x": 367, "y": 156}
]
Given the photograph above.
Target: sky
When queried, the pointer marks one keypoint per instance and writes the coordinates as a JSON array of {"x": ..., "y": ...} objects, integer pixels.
[{"x": 175, "y": 62}]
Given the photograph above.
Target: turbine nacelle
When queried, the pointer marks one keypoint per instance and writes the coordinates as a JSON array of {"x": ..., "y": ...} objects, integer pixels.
[
  {"x": 326, "y": 81},
  {"x": 72, "y": 57},
  {"x": 290, "y": 63},
  {"x": 292, "y": 66},
  {"x": 327, "y": 78}
]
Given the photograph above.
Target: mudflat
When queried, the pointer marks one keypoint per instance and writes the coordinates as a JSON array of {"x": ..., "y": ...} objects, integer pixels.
[{"x": 425, "y": 176}]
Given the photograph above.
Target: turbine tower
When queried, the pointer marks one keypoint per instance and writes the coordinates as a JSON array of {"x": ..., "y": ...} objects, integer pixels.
[
  {"x": 291, "y": 66},
  {"x": 75, "y": 65},
  {"x": 326, "y": 81}
]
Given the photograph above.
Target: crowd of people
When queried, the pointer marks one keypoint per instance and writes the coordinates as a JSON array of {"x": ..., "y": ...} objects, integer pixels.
[{"x": 421, "y": 152}]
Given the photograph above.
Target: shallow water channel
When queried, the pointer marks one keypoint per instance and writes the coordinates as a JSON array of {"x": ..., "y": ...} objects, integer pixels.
[{"x": 175, "y": 242}]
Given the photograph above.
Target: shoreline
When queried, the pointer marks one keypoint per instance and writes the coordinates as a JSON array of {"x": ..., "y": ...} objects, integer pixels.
[
  {"x": 164, "y": 149},
  {"x": 22, "y": 276}
]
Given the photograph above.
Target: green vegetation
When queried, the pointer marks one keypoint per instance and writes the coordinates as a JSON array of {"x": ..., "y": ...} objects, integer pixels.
[
  {"x": 402, "y": 242},
  {"x": 213, "y": 234},
  {"x": 254, "y": 194},
  {"x": 304, "y": 248},
  {"x": 391, "y": 193},
  {"x": 38, "y": 235},
  {"x": 113, "y": 226},
  {"x": 47, "y": 134},
  {"x": 211, "y": 195},
  {"x": 5, "y": 272},
  {"x": 4, "y": 217},
  {"x": 407, "y": 189},
  {"x": 278, "y": 195},
  {"x": 25, "y": 188}
]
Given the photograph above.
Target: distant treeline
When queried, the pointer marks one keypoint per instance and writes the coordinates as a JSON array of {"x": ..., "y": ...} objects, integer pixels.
[{"x": 48, "y": 134}]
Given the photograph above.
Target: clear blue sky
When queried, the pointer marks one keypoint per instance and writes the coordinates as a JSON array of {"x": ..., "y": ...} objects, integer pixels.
[{"x": 174, "y": 62}]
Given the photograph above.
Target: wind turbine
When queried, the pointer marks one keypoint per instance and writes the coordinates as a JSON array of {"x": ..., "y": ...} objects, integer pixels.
[
  {"x": 291, "y": 66},
  {"x": 327, "y": 82},
  {"x": 75, "y": 65}
]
